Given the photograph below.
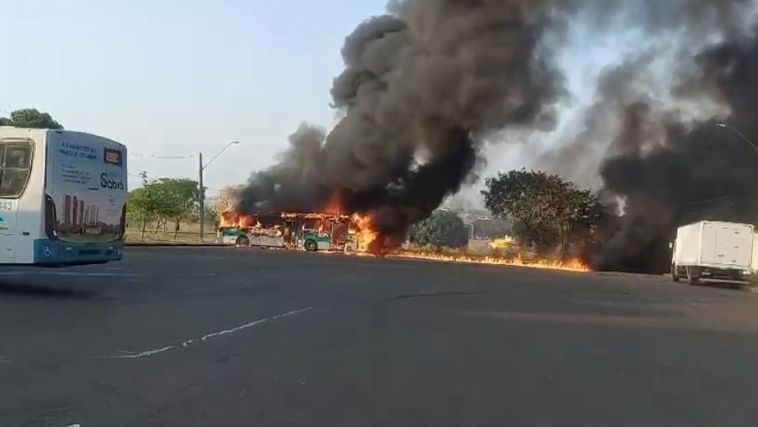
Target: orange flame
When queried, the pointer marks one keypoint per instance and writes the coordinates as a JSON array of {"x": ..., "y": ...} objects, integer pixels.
[
  {"x": 230, "y": 219},
  {"x": 368, "y": 241},
  {"x": 367, "y": 237},
  {"x": 575, "y": 265}
]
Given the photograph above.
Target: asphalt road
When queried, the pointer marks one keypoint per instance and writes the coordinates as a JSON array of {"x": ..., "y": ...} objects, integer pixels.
[{"x": 245, "y": 337}]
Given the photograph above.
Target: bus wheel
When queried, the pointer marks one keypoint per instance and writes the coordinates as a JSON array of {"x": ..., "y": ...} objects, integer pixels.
[
  {"x": 243, "y": 241},
  {"x": 674, "y": 273},
  {"x": 311, "y": 246}
]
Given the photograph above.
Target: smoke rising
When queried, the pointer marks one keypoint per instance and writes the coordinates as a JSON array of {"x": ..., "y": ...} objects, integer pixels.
[
  {"x": 422, "y": 87},
  {"x": 427, "y": 83},
  {"x": 698, "y": 172}
]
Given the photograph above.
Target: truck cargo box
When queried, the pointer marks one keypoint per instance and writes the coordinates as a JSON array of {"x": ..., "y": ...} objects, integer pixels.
[{"x": 712, "y": 249}]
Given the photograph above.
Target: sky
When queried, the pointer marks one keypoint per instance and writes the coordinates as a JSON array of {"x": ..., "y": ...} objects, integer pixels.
[
  {"x": 179, "y": 77},
  {"x": 172, "y": 78}
]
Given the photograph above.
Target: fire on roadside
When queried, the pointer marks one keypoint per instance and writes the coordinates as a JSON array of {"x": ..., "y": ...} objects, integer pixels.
[
  {"x": 575, "y": 265},
  {"x": 367, "y": 241}
]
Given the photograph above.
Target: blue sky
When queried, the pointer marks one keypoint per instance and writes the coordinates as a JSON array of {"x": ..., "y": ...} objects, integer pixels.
[{"x": 171, "y": 77}]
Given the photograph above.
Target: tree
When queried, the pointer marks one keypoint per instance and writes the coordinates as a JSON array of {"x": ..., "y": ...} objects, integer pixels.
[
  {"x": 142, "y": 205},
  {"x": 443, "y": 228},
  {"x": 177, "y": 199},
  {"x": 30, "y": 118},
  {"x": 227, "y": 198},
  {"x": 546, "y": 211},
  {"x": 224, "y": 201}
]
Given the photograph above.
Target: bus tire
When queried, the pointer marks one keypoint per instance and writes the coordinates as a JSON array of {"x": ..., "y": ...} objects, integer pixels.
[
  {"x": 674, "y": 273},
  {"x": 311, "y": 246},
  {"x": 243, "y": 241}
]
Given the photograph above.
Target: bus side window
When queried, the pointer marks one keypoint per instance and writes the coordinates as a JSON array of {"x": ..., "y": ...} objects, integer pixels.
[{"x": 15, "y": 168}]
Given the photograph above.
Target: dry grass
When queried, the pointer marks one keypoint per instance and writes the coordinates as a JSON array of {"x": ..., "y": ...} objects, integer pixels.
[{"x": 189, "y": 234}]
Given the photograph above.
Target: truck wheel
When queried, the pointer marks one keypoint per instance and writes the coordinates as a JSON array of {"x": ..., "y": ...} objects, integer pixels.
[
  {"x": 674, "y": 273},
  {"x": 311, "y": 246},
  {"x": 243, "y": 241},
  {"x": 693, "y": 275}
]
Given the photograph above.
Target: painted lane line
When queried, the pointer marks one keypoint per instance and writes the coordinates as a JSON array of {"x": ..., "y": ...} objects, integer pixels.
[
  {"x": 148, "y": 353},
  {"x": 194, "y": 341}
]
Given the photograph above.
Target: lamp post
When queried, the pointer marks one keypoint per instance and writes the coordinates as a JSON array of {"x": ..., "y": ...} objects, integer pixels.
[
  {"x": 202, "y": 168},
  {"x": 738, "y": 133}
]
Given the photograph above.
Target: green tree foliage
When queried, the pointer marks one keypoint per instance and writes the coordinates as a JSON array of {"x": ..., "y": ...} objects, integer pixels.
[
  {"x": 30, "y": 118},
  {"x": 162, "y": 200},
  {"x": 142, "y": 205},
  {"x": 443, "y": 228},
  {"x": 177, "y": 198},
  {"x": 546, "y": 211}
]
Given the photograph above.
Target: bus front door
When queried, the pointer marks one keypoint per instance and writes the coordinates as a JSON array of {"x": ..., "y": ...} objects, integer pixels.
[{"x": 8, "y": 212}]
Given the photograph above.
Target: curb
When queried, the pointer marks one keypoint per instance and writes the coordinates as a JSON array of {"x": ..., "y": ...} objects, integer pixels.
[{"x": 175, "y": 245}]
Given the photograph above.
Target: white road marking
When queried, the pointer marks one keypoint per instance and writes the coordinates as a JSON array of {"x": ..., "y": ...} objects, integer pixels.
[{"x": 193, "y": 341}]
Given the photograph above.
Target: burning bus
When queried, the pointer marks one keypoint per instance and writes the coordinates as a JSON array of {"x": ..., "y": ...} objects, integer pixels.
[{"x": 309, "y": 231}]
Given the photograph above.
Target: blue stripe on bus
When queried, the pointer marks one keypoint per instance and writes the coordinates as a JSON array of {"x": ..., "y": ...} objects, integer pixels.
[{"x": 57, "y": 252}]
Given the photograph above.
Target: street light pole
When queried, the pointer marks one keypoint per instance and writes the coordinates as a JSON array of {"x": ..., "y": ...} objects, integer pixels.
[
  {"x": 202, "y": 200},
  {"x": 738, "y": 133},
  {"x": 201, "y": 197}
]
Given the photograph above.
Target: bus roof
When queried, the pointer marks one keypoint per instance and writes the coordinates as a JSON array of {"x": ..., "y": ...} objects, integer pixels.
[{"x": 18, "y": 132}]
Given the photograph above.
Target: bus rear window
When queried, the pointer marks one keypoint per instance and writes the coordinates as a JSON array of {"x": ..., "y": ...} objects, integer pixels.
[{"x": 15, "y": 167}]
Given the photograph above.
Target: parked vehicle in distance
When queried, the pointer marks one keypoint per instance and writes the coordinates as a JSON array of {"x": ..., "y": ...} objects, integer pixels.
[
  {"x": 713, "y": 251},
  {"x": 62, "y": 197}
]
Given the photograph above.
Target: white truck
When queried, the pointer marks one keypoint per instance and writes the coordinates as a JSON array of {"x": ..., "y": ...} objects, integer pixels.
[{"x": 714, "y": 251}]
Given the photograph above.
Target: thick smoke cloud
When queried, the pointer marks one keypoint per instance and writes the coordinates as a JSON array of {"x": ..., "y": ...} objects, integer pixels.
[
  {"x": 426, "y": 84},
  {"x": 699, "y": 172},
  {"x": 421, "y": 88}
]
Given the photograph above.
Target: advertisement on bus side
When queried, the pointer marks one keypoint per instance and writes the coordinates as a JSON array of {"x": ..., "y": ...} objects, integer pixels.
[{"x": 87, "y": 181}]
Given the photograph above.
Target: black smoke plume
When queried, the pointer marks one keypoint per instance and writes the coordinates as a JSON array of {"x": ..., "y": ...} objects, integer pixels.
[
  {"x": 422, "y": 87},
  {"x": 700, "y": 171}
]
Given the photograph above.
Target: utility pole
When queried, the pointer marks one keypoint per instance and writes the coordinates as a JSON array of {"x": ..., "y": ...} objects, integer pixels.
[
  {"x": 202, "y": 201},
  {"x": 201, "y": 169}
]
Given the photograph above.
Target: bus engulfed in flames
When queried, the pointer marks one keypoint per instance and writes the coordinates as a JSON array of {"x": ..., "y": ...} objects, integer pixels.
[{"x": 333, "y": 231}]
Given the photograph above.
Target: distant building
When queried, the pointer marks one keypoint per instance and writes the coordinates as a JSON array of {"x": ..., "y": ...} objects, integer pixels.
[
  {"x": 67, "y": 209},
  {"x": 75, "y": 211}
]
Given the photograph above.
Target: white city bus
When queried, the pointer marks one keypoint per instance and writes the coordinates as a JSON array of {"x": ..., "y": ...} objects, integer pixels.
[{"x": 62, "y": 197}]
